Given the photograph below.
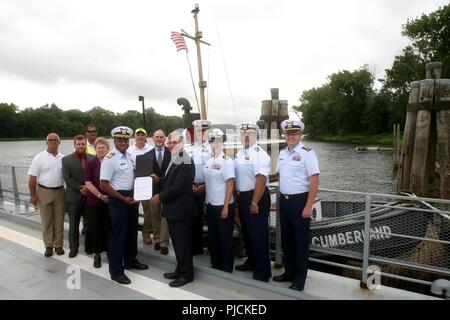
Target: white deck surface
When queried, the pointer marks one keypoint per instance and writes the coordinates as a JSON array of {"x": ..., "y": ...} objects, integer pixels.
[{"x": 26, "y": 274}]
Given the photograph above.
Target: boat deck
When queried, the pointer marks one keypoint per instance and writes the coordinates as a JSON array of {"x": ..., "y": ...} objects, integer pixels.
[{"x": 26, "y": 274}]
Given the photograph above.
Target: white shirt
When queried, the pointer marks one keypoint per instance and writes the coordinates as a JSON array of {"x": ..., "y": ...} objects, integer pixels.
[
  {"x": 200, "y": 155},
  {"x": 134, "y": 151},
  {"x": 118, "y": 169},
  {"x": 48, "y": 169},
  {"x": 249, "y": 163},
  {"x": 217, "y": 171},
  {"x": 295, "y": 168}
]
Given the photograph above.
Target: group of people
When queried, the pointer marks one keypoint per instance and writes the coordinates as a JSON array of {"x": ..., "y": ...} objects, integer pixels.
[{"x": 191, "y": 184}]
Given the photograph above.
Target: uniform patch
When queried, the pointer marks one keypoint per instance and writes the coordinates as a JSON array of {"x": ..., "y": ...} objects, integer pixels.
[
  {"x": 257, "y": 149},
  {"x": 216, "y": 166},
  {"x": 297, "y": 157}
]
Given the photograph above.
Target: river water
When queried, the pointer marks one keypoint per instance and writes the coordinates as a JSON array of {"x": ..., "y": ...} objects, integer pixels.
[{"x": 341, "y": 166}]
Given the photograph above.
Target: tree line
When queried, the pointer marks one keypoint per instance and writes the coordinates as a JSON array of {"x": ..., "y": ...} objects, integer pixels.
[
  {"x": 348, "y": 103},
  {"x": 37, "y": 123}
]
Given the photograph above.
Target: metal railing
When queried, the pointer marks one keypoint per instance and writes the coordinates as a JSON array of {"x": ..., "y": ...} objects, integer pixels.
[
  {"x": 404, "y": 238},
  {"x": 14, "y": 185}
]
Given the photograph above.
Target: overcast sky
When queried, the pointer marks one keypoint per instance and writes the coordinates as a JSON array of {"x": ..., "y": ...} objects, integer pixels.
[{"x": 81, "y": 54}]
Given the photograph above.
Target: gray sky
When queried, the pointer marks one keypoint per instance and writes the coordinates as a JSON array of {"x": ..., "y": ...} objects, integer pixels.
[{"x": 80, "y": 54}]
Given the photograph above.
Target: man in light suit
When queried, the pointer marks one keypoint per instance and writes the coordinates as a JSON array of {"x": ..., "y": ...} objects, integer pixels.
[
  {"x": 155, "y": 162},
  {"x": 72, "y": 170},
  {"x": 178, "y": 202}
]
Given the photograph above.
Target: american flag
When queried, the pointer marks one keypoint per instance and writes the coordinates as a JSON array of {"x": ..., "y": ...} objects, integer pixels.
[{"x": 178, "y": 39}]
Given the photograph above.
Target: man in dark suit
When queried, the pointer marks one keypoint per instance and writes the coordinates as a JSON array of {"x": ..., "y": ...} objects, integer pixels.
[
  {"x": 72, "y": 170},
  {"x": 178, "y": 202},
  {"x": 155, "y": 162}
]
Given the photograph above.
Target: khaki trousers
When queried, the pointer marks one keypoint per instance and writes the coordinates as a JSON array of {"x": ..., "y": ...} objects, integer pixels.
[
  {"x": 147, "y": 226},
  {"x": 51, "y": 207},
  {"x": 159, "y": 224}
]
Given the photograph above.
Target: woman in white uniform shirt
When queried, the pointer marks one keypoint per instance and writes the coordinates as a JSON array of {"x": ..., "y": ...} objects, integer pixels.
[{"x": 219, "y": 182}]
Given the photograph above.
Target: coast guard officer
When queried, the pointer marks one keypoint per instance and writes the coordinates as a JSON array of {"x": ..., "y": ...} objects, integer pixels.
[
  {"x": 219, "y": 181},
  {"x": 299, "y": 182},
  {"x": 117, "y": 180},
  {"x": 200, "y": 151},
  {"x": 252, "y": 181}
]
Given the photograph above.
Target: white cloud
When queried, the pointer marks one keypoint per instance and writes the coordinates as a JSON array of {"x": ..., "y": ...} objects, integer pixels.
[{"x": 81, "y": 54}]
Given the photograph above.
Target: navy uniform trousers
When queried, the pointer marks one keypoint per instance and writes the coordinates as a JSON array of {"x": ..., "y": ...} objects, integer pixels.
[
  {"x": 220, "y": 237},
  {"x": 124, "y": 229},
  {"x": 197, "y": 225},
  {"x": 255, "y": 230},
  {"x": 295, "y": 238}
]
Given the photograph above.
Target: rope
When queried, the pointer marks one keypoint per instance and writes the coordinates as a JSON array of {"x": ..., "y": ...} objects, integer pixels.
[
  {"x": 226, "y": 73},
  {"x": 192, "y": 78},
  {"x": 207, "y": 88}
]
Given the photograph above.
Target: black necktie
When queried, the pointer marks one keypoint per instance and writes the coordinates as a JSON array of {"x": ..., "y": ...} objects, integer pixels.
[{"x": 159, "y": 159}]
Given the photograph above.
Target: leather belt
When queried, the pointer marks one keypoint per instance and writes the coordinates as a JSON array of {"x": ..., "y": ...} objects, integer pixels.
[
  {"x": 50, "y": 188},
  {"x": 291, "y": 196}
]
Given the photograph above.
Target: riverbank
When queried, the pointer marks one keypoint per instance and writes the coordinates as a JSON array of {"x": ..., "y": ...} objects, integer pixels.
[{"x": 385, "y": 139}]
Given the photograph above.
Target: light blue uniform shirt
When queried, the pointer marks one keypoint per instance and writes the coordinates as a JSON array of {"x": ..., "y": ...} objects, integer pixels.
[
  {"x": 200, "y": 155},
  {"x": 249, "y": 163},
  {"x": 295, "y": 168},
  {"x": 118, "y": 169},
  {"x": 216, "y": 172}
]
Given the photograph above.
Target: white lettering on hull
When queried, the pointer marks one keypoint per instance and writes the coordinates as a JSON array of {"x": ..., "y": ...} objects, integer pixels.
[{"x": 340, "y": 239}]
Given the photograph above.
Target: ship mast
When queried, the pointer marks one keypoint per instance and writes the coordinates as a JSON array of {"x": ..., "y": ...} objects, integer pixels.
[{"x": 197, "y": 39}]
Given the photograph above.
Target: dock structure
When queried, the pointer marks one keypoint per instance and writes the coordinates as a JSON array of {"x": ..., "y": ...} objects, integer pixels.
[
  {"x": 427, "y": 136},
  {"x": 27, "y": 274}
]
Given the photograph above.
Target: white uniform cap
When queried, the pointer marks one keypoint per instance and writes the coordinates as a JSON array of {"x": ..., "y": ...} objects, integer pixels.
[
  {"x": 292, "y": 125},
  {"x": 122, "y": 132},
  {"x": 248, "y": 126},
  {"x": 204, "y": 124}
]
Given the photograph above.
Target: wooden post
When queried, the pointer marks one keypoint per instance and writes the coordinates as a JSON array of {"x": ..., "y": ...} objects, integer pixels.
[
  {"x": 442, "y": 95},
  {"x": 420, "y": 164},
  {"x": 201, "y": 83},
  {"x": 407, "y": 149}
]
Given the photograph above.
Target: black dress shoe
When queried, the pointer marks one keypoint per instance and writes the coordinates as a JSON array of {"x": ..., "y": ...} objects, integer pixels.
[
  {"x": 282, "y": 278},
  {"x": 244, "y": 267},
  {"x": 73, "y": 253},
  {"x": 48, "y": 252},
  {"x": 294, "y": 287},
  {"x": 157, "y": 246},
  {"x": 97, "y": 260},
  {"x": 59, "y": 251},
  {"x": 171, "y": 275},
  {"x": 164, "y": 250},
  {"x": 180, "y": 282},
  {"x": 122, "y": 279},
  {"x": 137, "y": 266}
]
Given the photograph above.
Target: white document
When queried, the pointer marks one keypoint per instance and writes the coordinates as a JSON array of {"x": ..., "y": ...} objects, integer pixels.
[{"x": 143, "y": 188}]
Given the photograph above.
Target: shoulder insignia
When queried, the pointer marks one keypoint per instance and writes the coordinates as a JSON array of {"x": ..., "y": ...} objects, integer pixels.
[
  {"x": 257, "y": 149},
  {"x": 307, "y": 148},
  {"x": 284, "y": 148},
  {"x": 110, "y": 155}
]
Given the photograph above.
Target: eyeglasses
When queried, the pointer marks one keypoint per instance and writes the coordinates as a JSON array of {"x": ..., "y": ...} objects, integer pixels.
[
  {"x": 52, "y": 140},
  {"x": 91, "y": 131}
]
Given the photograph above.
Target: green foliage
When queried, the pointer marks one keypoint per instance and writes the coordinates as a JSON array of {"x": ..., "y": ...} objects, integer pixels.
[
  {"x": 347, "y": 104},
  {"x": 37, "y": 123},
  {"x": 338, "y": 106}
]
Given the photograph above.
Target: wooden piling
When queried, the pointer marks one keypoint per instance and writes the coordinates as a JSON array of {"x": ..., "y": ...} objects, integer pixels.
[
  {"x": 422, "y": 143},
  {"x": 407, "y": 149},
  {"x": 442, "y": 99}
]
